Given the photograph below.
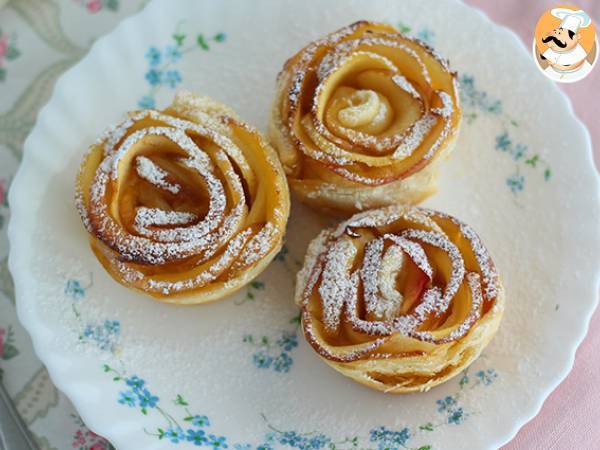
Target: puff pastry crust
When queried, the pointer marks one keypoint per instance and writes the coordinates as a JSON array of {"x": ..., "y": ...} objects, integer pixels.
[
  {"x": 399, "y": 299},
  {"x": 361, "y": 118},
  {"x": 187, "y": 204}
]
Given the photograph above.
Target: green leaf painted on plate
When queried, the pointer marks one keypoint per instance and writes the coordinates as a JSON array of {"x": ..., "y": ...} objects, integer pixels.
[
  {"x": 426, "y": 427},
  {"x": 533, "y": 160},
  {"x": 202, "y": 42},
  {"x": 179, "y": 400},
  {"x": 179, "y": 38}
]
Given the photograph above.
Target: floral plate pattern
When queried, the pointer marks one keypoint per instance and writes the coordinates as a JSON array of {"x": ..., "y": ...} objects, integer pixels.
[{"x": 237, "y": 374}]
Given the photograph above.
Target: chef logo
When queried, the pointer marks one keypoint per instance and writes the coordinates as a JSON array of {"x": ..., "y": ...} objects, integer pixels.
[{"x": 565, "y": 45}]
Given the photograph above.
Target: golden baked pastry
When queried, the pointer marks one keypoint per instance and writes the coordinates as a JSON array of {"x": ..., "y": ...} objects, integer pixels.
[
  {"x": 186, "y": 204},
  {"x": 361, "y": 118},
  {"x": 400, "y": 298}
]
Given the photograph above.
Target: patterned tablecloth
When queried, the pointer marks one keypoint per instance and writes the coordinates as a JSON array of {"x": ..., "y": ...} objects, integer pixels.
[{"x": 40, "y": 39}]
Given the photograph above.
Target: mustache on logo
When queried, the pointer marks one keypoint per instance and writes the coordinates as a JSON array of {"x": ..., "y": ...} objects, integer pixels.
[{"x": 556, "y": 41}]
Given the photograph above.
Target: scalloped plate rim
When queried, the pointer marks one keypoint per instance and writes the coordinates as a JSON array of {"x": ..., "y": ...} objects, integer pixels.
[{"x": 560, "y": 377}]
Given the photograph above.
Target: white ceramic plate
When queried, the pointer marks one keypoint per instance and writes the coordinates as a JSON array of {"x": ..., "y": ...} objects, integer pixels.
[{"x": 137, "y": 370}]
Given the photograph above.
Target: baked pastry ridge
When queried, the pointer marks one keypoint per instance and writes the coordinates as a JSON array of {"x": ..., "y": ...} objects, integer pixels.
[
  {"x": 400, "y": 299},
  {"x": 361, "y": 118},
  {"x": 187, "y": 204}
]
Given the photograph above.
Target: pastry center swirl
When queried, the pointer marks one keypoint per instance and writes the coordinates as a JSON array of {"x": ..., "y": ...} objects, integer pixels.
[{"x": 363, "y": 107}]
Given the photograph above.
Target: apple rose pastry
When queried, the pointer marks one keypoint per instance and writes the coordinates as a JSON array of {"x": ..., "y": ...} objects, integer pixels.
[
  {"x": 186, "y": 204},
  {"x": 361, "y": 118},
  {"x": 400, "y": 299}
]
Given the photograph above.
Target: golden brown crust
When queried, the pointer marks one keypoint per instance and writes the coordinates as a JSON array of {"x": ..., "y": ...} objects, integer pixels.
[
  {"x": 365, "y": 109},
  {"x": 187, "y": 204},
  {"x": 400, "y": 298}
]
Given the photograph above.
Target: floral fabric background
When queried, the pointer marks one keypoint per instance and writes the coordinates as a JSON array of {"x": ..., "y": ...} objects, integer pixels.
[{"x": 39, "y": 40}]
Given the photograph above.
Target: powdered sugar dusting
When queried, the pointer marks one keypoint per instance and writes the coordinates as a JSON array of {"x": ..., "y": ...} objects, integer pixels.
[
  {"x": 345, "y": 291},
  {"x": 337, "y": 285},
  {"x": 152, "y": 173},
  {"x": 341, "y": 146},
  {"x": 415, "y": 137},
  {"x": 167, "y": 236},
  {"x": 146, "y": 217},
  {"x": 406, "y": 85}
]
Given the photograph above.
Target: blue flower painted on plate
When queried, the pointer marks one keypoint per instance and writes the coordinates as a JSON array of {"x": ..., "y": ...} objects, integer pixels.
[
  {"x": 486, "y": 376},
  {"x": 264, "y": 447},
  {"x": 153, "y": 56},
  {"x": 200, "y": 421},
  {"x": 519, "y": 151},
  {"x": 262, "y": 360},
  {"x": 127, "y": 398},
  {"x": 217, "y": 442},
  {"x": 446, "y": 404},
  {"x": 173, "y": 53},
  {"x": 146, "y": 399},
  {"x": 105, "y": 335},
  {"x": 147, "y": 102},
  {"x": 283, "y": 363},
  {"x": 288, "y": 341},
  {"x": 171, "y": 78},
  {"x": 304, "y": 441},
  {"x": 197, "y": 426},
  {"x": 456, "y": 416},
  {"x": 274, "y": 354},
  {"x": 516, "y": 182},
  {"x": 318, "y": 441},
  {"x": 242, "y": 446},
  {"x": 175, "y": 435},
  {"x": 476, "y": 101},
  {"x": 154, "y": 77},
  {"x": 74, "y": 289},
  {"x": 450, "y": 405},
  {"x": 197, "y": 437},
  {"x": 135, "y": 382},
  {"x": 291, "y": 438},
  {"x": 503, "y": 143},
  {"x": 388, "y": 439},
  {"x": 162, "y": 59}
]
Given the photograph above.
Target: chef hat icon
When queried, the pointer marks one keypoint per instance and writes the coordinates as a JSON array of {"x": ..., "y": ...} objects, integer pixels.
[{"x": 571, "y": 20}]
